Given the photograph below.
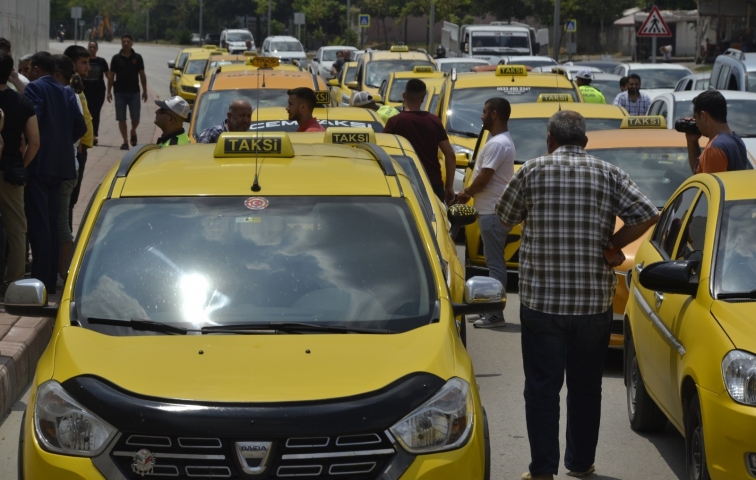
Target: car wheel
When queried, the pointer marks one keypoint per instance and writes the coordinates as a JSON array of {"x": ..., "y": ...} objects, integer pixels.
[
  {"x": 20, "y": 459},
  {"x": 695, "y": 450},
  {"x": 642, "y": 411}
]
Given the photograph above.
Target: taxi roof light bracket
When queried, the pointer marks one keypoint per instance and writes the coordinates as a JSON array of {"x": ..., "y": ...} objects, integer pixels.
[
  {"x": 128, "y": 161},
  {"x": 383, "y": 158}
]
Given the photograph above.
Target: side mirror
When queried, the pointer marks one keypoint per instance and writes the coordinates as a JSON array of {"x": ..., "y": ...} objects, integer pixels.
[
  {"x": 672, "y": 277},
  {"x": 377, "y": 98},
  {"x": 189, "y": 117},
  {"x": 28, "y": 298},
  {"x": 177, "y": 73},
  {"x": 172, "y": 64},
  {"x": 482, "y": 295},
  {"x": 463, "y": 160},
  {"x": 199, "y": 78},
  {"x": 295, "y": 62},
  {"x": 354, "y": 85},
  {"x": 333, "y": 82}
]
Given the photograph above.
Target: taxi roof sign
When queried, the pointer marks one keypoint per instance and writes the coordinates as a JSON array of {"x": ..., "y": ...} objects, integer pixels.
[
  {"x": 644, "y": 121},
  {"x": 349, "y": 135},
  {"x": 249, "y": 144},
  {"x": 210, "y": 47},
  {"x": 323, "y": 97},
  {"x": 249, "y": 53},
  {"x": 555, "y": 97},
  {"x": 399, "y": 48},
  {"x": 263, "y": 62},
  {"x": 514, "y": 70},
  {"x": 423, "y": 69}
]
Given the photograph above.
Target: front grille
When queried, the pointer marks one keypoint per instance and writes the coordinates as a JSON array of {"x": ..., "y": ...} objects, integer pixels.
[{"x": 350, "y": 457}]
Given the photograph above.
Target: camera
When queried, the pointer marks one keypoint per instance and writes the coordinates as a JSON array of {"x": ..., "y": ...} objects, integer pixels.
[{"x": 687, "y": 126}]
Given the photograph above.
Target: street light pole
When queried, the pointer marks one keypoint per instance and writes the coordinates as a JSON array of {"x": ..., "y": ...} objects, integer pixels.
[
  {"x": 349, "y": 8},
  {"x": 269, "y": 11},
  {"x": 200, "y": 23},
  {"x": 557, "y": 30},
  {"x": 432, "y": 24}
]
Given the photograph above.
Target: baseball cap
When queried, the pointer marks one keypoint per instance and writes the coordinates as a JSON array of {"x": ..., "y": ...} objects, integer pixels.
[
  {"x": 585, "y": 74},
  {"x": 361, "y": 98},
  {"x": 176, "y": 104}
]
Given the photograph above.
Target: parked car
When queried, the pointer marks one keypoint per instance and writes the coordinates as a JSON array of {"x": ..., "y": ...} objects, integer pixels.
[
  {"x": 734, "y": 70},
  {"x": 286, "y": 49},
  {"x": 211, "y": 39},
  {"x": 696, "y": 81},
  {"x": 462, "y": 64},
  {"x": 607, "y": 67},
  {"x": 196, "y": 40},
  {"x": 529, "y": 61},
  {"x": 237, "y": 40},
  {"x": 323, "y": 60}
]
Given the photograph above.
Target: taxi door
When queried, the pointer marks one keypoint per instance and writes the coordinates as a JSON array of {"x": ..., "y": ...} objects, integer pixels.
[{"x": 680, "y": 235}]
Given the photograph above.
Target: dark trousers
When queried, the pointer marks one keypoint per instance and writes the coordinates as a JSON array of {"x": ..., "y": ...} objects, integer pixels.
[
  {"x": 82, "y": 158},
  {"x": 42, "y": 204},
  {"x": 552, "y": 344},
  {"x": 95, "y": 101}
]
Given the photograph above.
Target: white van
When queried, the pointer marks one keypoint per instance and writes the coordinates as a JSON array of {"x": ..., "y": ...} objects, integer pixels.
[{"x": 235, "y": 40}]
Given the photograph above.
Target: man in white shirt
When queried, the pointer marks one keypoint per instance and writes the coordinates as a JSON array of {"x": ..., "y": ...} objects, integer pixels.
[{"x": 493, "y": 171}]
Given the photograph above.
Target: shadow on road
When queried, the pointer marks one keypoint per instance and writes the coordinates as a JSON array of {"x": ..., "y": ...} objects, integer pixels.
[{"x": 671, "y": 446}]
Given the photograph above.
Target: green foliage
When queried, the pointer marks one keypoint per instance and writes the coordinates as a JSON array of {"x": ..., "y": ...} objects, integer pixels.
[{"x": 183, "y": 37}]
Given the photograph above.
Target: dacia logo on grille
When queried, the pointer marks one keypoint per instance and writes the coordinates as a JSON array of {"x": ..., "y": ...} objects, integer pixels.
[
  {"x": 350, "y": 137},
  {"x": 253, "y": 456},
  {"x": 252, "y": 145}
]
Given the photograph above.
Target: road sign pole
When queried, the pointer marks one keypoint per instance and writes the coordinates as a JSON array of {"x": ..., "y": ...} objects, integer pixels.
[
  {"x": 349, "y": 8},
  {"x": 432, "y": 23},
  {"x": 653, "y": 48},
  {"x": 557, "y": 30}
]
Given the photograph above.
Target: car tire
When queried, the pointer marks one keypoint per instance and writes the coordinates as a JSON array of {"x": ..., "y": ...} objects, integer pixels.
[
  {"x": 695, "y": 449},
  {"x": 487, "y": 439},
  {"x": 642, "y": 411},
  {"x": 20, "y": 459}
]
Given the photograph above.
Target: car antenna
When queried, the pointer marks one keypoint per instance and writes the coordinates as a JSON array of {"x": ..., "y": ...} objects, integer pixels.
[
  {"x": 556, "y": 80},
  {"x": 256, "y": 184}
]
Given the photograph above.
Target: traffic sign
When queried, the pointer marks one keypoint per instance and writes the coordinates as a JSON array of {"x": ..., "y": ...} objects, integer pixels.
[
  {"x": 570, "y": 26},
  {"x": 654, "y": 26},
  {"x": 76, "y": 12},
  {"x": 364, "y": 20}
]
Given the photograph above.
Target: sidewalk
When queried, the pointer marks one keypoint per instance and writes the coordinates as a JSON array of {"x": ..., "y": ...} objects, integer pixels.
[{"x": 23, "y": 339}]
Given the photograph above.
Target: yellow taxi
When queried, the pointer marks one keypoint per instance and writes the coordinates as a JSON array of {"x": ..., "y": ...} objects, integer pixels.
[
  {"x": 224, "y": 59},
  {"x": 690, "y": 336},
  {"x": 375, "y": 66},
  {"x": 276, "y": 119},
  {"x": 340, "y": 91},
  {"x": 185, "y": 82},
  {"x": 392, "y": 88},
  {"x": 527, "y": 126},
  {"x": 177, "y": 66},
  {"x": 463, "y": 98},
  {"x": 261, "y": 87},
  {"x": 256, "y": 307}
]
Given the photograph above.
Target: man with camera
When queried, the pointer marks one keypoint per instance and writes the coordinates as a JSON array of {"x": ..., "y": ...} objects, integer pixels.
[{"x": 725, "y": 150}]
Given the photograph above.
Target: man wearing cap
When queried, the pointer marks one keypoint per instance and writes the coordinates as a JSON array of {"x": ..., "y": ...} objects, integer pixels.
[
  {"x": 238, "y": 119},
  {"x": 590, "y": 94},
  {"x": 170, "y": 118},
  {"x": 365, "y": 100}
]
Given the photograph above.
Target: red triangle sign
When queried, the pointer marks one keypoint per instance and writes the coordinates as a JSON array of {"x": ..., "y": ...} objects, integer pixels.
[{"x": 654, "y": 26}]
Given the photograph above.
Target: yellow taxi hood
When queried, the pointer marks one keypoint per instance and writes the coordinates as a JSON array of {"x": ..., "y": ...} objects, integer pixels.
[
  {"x": 253, "y": 368},
  {"x": 736, "y": 319}
]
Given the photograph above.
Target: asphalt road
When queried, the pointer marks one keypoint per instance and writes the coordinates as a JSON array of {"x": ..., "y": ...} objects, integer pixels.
[{"x": 622, "y": 453}]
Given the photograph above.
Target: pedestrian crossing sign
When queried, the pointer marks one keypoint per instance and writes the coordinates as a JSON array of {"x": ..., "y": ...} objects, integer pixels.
[
  {"x": 654, "y": 26},
  {"x": 364, "y": 20},
  {"x": 570, "y": 26}
]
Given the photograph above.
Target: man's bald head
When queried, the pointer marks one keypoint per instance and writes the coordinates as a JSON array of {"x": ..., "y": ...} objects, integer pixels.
[{"x": 239, "y": 116}]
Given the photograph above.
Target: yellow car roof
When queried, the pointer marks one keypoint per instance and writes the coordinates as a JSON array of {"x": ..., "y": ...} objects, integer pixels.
[
  {"x": 243, "y": 67},
  {"x": 377, "y": 55},
  {"x": 547, "y": 109},
  {"x": 490, "y": 79},
  {"x": 637, "y": 138},
  {"x": 738, "y": 185},
  {"x": 423, "y": 76},
  {"x": 275, "y": 79}
]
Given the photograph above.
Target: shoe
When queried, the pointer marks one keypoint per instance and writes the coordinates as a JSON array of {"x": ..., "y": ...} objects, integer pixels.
[
  {"x": 543, "y": 476},
  {"x": 133, "y": 140},
  {"x": 582, "y": 474},
  {"x": 490, "y": 321},
  {"x": 125, "y": 146},
  {"x": 94, "y": 142}
]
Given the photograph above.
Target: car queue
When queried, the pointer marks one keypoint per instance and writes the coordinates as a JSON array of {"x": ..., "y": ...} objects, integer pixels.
[{"x": 268, "y": 239}]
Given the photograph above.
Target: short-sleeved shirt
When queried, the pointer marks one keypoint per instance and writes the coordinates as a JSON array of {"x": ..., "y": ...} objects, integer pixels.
[
  {"x": 18, "y": 110},
  {"x": 591, "y": 94},
  {"x": 126, "y": 70},
  {"x": 639, "y": 107},
  {"x": 724, "y": 153},
  {"x": 571, "y": 201},
  {"x": 424, "y": 131},
  {"x": 311, "y": 125},
  {"x": 95, "y": 81},
  {"x": 499, "y": 155},
  {"x": 338, "y": 64}
]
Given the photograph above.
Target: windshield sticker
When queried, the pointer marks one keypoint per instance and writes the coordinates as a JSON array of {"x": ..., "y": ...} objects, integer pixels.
[
  {"x": 256, "y": 203},
  {"x": 513, "y": 90}
]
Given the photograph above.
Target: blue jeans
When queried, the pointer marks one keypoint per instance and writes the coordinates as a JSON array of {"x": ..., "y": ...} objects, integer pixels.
[
  {"x": 494, "y": 236},
  {"x": 552, "y": 344}
]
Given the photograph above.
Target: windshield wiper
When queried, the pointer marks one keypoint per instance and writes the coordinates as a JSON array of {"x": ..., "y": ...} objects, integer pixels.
[
  {"x": 141, "y": 324},
  {"x": 291, "y": 327},
  {"x": 749, "y": 295},
  {"x": 460, "y": 132}
]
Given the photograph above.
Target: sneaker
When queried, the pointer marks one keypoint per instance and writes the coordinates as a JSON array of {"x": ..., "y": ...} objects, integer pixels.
[
  {"x": 125, "y": 146},
  {"x": 582, "y": 474},
  {"x": 543, "y": 476},
  {"x": 490, "y": 321},
  {"x": 473, "y": 318}
]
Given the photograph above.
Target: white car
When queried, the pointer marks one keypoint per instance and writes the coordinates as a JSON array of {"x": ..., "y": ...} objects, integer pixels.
[
  {"x": 462, "y": 64},
  {"x": 533, "y": 61},
  {"x": 740, "y": 107},
  {"x": 235, "y": 40},
  {"x": 656, "y": 78},
  {"x": 285, "y": 48},
  {"x": 568, "y": 71},
  {"x": 323, "y": 60},
  {"x": 696, "y": 81}
]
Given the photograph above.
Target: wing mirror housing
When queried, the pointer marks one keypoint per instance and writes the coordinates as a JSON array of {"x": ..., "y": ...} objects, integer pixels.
[
  {"x": 482, "y": 295},
  {"x": 377, "y": 98},
  {"x": 199, "y": 78},
  {"x": 177, "y": 72},
  {"x": 463, "y": 160},
  {"x": 679, "y": 276},
  {"x": 333, "y": 82},
  {"x": 354, "y": 85},
  {"x": 172, "y": 64},
  {"x": 28, "y": 298}
]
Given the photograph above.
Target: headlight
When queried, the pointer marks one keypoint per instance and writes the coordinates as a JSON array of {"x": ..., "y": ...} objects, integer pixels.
[
  {"x": 739, "y": 373},
  {"x": 64, "y": 426},
  {"x": 443, "y": 423},
  {"x": 461, "y": 149}
]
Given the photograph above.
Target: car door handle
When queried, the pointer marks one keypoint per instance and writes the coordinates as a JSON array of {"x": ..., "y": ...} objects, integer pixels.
[
  {"x": 659, "y": 298},
  {"x": 638, "y": 267}
]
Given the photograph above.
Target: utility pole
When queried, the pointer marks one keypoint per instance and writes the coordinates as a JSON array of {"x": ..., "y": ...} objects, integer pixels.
[
  {"x": 557, "y": 30},
  {"x": 349, "y": 11},
  {"x": 269, "y": 16},
  {"x": 432, "y": 23},
  {"x": 147, "y": 34},
  {"x": 200, "y": 25}
]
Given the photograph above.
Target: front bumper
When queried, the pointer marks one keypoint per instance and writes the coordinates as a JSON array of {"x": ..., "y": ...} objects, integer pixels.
[{"x": 728, "y": 435}]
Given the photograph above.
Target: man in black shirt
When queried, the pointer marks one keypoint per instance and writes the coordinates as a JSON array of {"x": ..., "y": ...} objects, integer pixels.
[{"x": 126, "y": 72}]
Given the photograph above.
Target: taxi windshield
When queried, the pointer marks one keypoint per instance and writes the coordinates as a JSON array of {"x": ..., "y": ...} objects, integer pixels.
[
  {"x": 483, "y": 42},
  {"x": 740, "y": 116},
  {"x": 213, "y": 106},
  {"x": 292, "y": 125},
  {"x": 379, "y": 70},
  {"x": 285, "y": 46},
  {"x": 657, "y": 171},
  {"x": 193, "y": 262},
  {"x": 529, "y": 134},
  {"x": 462, "y": 67},
  {"x": 195, "y": 67},
  {"x": 735, "y": 270},
  {"x": 662, "y": 78},
  {"x": 466, "y": 105}
]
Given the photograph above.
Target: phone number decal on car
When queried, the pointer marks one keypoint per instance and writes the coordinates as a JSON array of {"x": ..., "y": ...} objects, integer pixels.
[{"x": 513, "y": 90}]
